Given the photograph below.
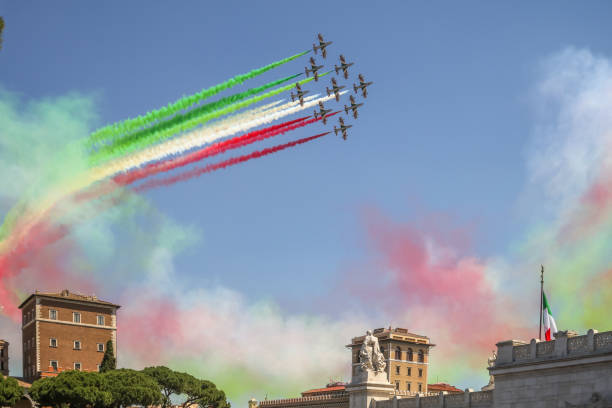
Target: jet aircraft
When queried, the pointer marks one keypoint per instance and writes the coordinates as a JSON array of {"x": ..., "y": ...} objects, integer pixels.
[
  {"x": 299, "y": 94},
  {"x": 343, "y": 128},
  {"x": 314, "y": 69},
  {"x": 362, "y": 85},
  {"x": 322, "y": 113},
  {"x": 353, "y": 107},
  {"x": 322, "y": 45},
  {"x": 334, "y": 89},
  {"x": 343, "y": 66}
]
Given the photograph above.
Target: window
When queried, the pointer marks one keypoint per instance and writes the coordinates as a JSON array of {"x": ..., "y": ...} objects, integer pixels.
[
  {"x": 421, "y": 356},
  {"x": 398, "y": 353},
  {"x": 100, "y": 346},
  {"x": 53, "y": 364},
  {"x": 52, "y": 314},
  {"x": 52, "y": 342},
  {"x": 77, "y": 345},
  {"x": 409, "y": 371},
  {"x": 100, "y": 320},
  {"x": 408, "y": 386},
  {"x": 76, "y": 317},
  {"x": 409, "y": 354},
  {"x": 420, "y": 372},
  {"x": 397, "y": 385},
  {"x": 77, "y": 366},
  {"x": 397, "y": 369},
  {"x": 420, "y": 387}
]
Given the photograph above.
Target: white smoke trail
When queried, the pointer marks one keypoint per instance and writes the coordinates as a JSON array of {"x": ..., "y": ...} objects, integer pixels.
[{"x": 200, "y": 137}]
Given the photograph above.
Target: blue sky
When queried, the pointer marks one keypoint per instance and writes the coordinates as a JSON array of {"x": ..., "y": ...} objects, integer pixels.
[{"x": 444, "y": 129}]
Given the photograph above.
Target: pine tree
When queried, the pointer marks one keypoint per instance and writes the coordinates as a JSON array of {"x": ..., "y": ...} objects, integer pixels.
[{"x": 109, "y": 362}]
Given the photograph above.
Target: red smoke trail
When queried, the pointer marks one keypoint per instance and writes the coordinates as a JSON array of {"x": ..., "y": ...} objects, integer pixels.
[
  {"x": 221, "y": 165},
  {"x": 212, "y": 150}
]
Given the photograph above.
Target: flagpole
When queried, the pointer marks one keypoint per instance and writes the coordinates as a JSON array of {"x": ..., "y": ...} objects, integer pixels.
[{"x": 541, "y": 297}]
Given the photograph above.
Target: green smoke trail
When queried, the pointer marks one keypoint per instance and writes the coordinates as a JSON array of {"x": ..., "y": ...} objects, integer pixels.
[
  {"x": 117, "y": 129},
  {"x": 109, "y": 151},
  {"x": 157, "y": 136}
]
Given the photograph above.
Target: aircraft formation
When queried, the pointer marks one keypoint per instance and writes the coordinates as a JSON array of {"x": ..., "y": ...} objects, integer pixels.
[{"x": 335, "y": 89}]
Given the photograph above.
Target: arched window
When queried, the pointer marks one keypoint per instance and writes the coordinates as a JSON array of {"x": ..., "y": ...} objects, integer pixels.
[
  {"x": 409, "y": 354},
  {"x": 398, "y": 353},
  {"x": 421, "y": 357}
]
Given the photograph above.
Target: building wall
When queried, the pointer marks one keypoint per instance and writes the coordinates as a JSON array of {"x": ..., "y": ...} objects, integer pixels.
[
  {"x": 64, "y": 352},
  {"x": 39, "y": 328},
  {"x": 4, "y": 357},
  {"x": 390, "y": 340}
]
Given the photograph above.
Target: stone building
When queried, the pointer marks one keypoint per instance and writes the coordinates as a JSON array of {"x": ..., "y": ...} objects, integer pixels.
[
  {"x": 570, "y": 371},
  {"x": 406, "y": 355},
  {"x": 4, "y": 358},
  {"x": 65, "y": 331}
]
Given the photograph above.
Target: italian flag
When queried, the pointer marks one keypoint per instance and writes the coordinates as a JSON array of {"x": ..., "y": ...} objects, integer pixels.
[{"x": 550, "y": 327}]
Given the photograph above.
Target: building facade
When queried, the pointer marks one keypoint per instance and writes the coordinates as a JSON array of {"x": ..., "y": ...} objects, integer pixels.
[
  {"x": 4, "y": 357},
  {"x": 406, "y": 355},
  {"x": 65, "y": 331}
]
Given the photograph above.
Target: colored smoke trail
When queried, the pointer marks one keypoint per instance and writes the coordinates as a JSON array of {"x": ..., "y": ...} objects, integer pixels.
[
  {"x": 221, "y": 165},
  {"x": 199, "y": 138},
  {"x": 155, "y": 136},
  {"x": 130, "y": 125},
  {"x": 127, "y": 143},
  {"x": 214, "y": 149}
]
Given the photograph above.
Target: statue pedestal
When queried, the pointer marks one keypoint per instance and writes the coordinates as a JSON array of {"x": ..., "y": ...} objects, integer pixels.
[{"x": 368, "y": 386}]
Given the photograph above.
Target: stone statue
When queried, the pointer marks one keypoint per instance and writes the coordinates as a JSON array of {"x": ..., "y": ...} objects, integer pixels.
[
  {"x": 491, "y": 363},
  {"x": 370, "y": 356}
]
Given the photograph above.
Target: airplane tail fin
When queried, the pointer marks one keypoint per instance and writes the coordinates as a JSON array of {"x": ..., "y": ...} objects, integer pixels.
[
  {"x": 306, "y": 70},
  {"x": 315, "y": 114},
  {"x": 337, "y": 69},
  {"x": 337, "y": 97},
  {"x": 316, "y": 75},
  {"x": 346, "y": 109},
  {"x": 336, "y": 130},
  {"x": 292, "y": 97},
  {"x": 346, "y": 74},
  {"x": 314, "y": 48},
  {"x": 328, "y": 92},
  {"x": 324, "y": 53},
  {"x": 354, "y": 86},
  {"x": 355, "y": 114}
]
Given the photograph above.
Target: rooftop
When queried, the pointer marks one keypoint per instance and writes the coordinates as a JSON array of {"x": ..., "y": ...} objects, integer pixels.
[
  {"x": 67, "y": 295},
  {"x": 443, "y": 387},
  {"x": 397, "y": 333},
  {"x": 330, "y": 388}
]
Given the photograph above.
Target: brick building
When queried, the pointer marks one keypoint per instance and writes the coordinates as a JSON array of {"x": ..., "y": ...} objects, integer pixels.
[
  {"x": 65, "y": 331},
  {"x": 4, "y": 357},
  {"x": 406, "y": 355}
]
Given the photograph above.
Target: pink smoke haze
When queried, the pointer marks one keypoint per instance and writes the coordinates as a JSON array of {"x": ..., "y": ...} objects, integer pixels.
[{"x": 439, "y": 291}]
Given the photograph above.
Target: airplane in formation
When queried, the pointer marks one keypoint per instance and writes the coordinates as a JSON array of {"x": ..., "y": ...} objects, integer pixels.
[
  {"x": 352, "y": 107},
  {"x": 334, "y": 89},
  {"x": 322, "y": 45},
  {"x": 314, "y": 69},
  {"x": 343, "y": 66},
  {"x": 299, "y": 94},
  {"x": 362, "y": 85},
  {"x": 343, "y": 128},
  {"x": 322, "y": 113}
]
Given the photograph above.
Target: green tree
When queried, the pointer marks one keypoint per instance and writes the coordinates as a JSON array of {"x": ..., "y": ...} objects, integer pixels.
[
  {"x": 202, "y": 392},
  {"x": 109, "y": 362},
  {"x": 75, "y": 388},
  {"x": 168, "y": 380},
  {"x": 10, "y": 391},
  {"x": 130, "y": 387}
]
